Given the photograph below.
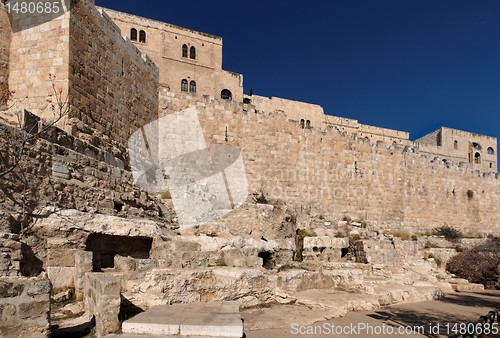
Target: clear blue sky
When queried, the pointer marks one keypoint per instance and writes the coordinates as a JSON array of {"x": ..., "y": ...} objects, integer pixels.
[{"x": 412, "y": 65}]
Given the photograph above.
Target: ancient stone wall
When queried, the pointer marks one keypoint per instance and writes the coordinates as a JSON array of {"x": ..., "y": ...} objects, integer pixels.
[
  {"x": 39, "y": 62},
  {"x": 4, "y": 53},
  {"x": 24, "y": 307},
  {"x": 11, "y": 255},
  {"x": 114, "y": 88},
  {"x": 384, "y": 183},
  {"x": 60, "y": 170}
]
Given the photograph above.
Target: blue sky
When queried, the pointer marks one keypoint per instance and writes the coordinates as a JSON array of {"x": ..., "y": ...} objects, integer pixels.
[{"x": 402, "y": 64}]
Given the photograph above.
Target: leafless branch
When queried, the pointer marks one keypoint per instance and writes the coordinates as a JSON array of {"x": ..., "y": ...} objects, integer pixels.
[{"x": 60, "y": 109}]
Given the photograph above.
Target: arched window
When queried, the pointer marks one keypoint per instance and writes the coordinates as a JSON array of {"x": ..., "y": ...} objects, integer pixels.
[
  {"x": 192, "y": 87},
  {"x": 477, "y": 158},
  {"x": 184, "y": 51},
  {"x": 308, "y": 124},
  {"x": 142, "y": 36},
  {"x": 491, "y": 165},
  {"x": 491, "y": 151},
  {"x": 225, "y": 94},
  {"x": 192, "y": 53},
  {"x": 184, "y": 85},
  {"x": 302, "y": 123},
  {"x": 455, "y": 145},
  {"x": 133, "y": 34}
]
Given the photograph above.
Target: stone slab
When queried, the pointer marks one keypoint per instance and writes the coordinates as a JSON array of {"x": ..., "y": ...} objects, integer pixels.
[{"x": 221, "y": 319}]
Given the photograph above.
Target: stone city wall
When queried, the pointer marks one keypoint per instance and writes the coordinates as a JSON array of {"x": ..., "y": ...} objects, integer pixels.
[
  {"x": 387, "y": 184},
  {"x": 114, "y": 88},
  {"x": 39, "y": 62}
]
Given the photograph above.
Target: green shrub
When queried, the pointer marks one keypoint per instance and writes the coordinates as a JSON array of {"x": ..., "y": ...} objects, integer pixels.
[
  {"x": 449, "y": 233},
  {"x": 306, "y": 233}
]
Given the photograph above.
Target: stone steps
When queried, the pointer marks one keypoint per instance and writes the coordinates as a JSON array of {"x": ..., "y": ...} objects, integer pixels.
[{"x": 188, "y": 320}]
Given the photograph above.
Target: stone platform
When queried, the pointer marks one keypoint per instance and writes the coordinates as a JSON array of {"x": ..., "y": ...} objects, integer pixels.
[{"x": 195, "y": 319}]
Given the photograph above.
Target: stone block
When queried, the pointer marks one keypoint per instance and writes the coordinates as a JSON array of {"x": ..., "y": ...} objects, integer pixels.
[
  {"x": 61, "y": 257},
  {"x": 61, "y": 277},
  {"x": 39, "y": 287},
  {"x": 34, "y": 310},
  {"x": 60, "y": 170},
  {"x": 10, "y": 289}
]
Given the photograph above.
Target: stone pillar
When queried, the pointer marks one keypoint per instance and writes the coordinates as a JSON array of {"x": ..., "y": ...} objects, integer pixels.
[
  {"x": 103, "y": 299},
  {"x": 83, "y": 264}
]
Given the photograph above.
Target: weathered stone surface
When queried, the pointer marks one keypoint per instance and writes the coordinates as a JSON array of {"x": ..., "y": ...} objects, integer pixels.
[
  {"x": 10, "y": 289},
  {"x": 24, "y": 311},
  {"x": 73, "y": 220},
  {"x": 61, "y": 277},
  {"x": 103, "y": 300},
  {"x": 195, "y": 319}
]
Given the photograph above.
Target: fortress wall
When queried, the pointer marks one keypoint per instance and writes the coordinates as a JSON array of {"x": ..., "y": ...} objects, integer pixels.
[
  {"x": 5, "y": 37},
  {"x": 164, "y": 45},
  {"x": 39, "y": 51},
  {"x": 114, "y": 89},
  {"x": 344, "y": 175},
  {"x": 60, "y": 170},
  {"x": 231, "y": 81},
  {"x": 294, "y": 110},
  {"x": 383, "y": 134}
]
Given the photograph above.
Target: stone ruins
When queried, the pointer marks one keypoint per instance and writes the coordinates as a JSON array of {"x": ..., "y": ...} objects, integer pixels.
[{"x": 339, "y": 215}]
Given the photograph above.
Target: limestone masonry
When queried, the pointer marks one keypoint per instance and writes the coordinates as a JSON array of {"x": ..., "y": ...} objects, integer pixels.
[
  {"x": 339, "y": 216},
  {"x": 119, "y": 72}
]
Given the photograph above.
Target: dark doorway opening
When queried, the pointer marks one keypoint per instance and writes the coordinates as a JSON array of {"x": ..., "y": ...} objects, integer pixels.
[
  {"x": 344, "y": 252},
  {"x": 106, "y": 247},
  {"x": 267, "y": 259}
]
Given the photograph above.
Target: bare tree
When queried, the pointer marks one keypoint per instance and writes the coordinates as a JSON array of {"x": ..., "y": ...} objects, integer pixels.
[
  {"x": 17, "y": 147},
  {"x": 478, "y": 264}
]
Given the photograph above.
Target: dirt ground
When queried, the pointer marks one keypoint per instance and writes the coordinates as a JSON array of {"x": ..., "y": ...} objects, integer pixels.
[{"x": 441, "y": 318}]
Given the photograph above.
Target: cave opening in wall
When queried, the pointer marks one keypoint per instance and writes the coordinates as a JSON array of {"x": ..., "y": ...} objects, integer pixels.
[
  {"x": 267, "y": 259},
  {"x": 105, "y": 247}
]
